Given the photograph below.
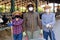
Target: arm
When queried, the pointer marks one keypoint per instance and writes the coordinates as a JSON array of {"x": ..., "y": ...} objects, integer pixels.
[
  {"x": 53, "y": 20},
  {"x": 14, "y": 22},
  {"x": 43, "y": 22},
  {"x": 39, "y": 22},
  {"x": 10, "y": 24},
  {"x": 24, "y": 23},
  {"x": 40, "y": 25}
]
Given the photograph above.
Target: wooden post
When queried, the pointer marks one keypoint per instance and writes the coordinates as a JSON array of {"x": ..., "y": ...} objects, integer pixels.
[
  {"x": 36, "y": 2},
  {"x": 12, "y": 10},
  {"x": 12, "y": 6}
]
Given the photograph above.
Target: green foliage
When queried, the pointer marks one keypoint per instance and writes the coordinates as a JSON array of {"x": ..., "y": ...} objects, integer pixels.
[
  {"x": 40, "y": 9},
  {"x": 1, "y": 9}
]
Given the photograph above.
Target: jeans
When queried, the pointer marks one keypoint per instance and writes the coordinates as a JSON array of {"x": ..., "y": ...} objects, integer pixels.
[
  {"x": 18, "y": 36},
  {"x": 50, "y": 34}
]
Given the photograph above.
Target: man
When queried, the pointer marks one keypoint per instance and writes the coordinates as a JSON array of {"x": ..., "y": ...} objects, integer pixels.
[
  {"x": 32, "y": 22},
  {"x": 48, "y": 21}
]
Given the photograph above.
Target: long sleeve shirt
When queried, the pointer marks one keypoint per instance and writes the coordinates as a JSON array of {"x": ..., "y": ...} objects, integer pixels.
[
  {"x": 48, "y": 19},
  {"x": 17, "y": 26},
  {"x": 31, "y": 21}
]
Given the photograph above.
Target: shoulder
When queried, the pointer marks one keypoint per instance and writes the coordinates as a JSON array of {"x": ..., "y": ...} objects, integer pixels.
[
  {"x": 25, "y": 14},
  {"x": 53, "y": 14},
  {"x": 36, "y": 13},
  {"x": 43, "y": 14},
  {"x": 21, "y": 19},
  {"x": 13, "y": 20}
]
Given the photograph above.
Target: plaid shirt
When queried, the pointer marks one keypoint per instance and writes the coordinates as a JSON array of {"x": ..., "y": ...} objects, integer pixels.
[{"x": 17, "y": 26}]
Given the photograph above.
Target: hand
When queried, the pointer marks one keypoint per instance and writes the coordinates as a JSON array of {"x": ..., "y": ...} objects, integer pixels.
[
  {"x": 24, "y": 33},
  {"x": 17, "y": 19},
  {"x": 41, "y": 35},
  {"x": 50, "y": 27},
  {"x": 47, "y": 25}
]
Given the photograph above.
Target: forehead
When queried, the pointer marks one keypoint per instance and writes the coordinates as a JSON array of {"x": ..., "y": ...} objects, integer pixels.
[{"x": 30, "y": 6}]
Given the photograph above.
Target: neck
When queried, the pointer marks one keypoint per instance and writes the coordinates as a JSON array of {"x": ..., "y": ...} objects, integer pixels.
[
  {"x": 48, "y": 13},
  {"x": 31, "y": 11},
  {"x": 17, "y": 19}
]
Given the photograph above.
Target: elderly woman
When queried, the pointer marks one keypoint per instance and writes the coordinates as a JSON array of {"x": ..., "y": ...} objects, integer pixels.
[{"x": 17, "y": 25}]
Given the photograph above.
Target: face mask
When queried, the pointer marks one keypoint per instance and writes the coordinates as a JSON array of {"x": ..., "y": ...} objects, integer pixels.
[
  {"x": 30, "y": 8},
  {"x": 47, "y": 10},
  {"x": 17, "y": 16}
]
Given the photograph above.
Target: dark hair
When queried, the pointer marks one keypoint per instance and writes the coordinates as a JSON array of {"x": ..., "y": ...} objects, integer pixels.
[
  {"x": 4, "y": 15},
  {"x": 30, "y": 5}
]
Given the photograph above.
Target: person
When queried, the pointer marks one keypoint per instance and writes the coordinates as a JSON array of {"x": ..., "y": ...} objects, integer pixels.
[
  {"x": 17, "y": 26},
  {"x": 5, "y": 19},
  {"x": 48, "y": 21},
  {"x": 32, "y": 23},
  {"x": 1, "y": 21}
]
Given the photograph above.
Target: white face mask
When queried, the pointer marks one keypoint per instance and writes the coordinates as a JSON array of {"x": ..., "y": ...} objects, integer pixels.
[
  {"x": 47, "y": 10},
  {"x": 30, "y": 8}
]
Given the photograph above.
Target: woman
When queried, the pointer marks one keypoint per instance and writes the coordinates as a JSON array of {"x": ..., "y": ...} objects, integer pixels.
[
  {"x": 17, "y": 26},
  {"x": 48, "y": 22}
]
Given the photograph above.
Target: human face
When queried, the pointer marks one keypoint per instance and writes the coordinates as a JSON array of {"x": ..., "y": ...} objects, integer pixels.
[
  {"x": 30, "y": 8},
  {"x": 47, "y": 10},
  {"x": 17, "y": 17}
]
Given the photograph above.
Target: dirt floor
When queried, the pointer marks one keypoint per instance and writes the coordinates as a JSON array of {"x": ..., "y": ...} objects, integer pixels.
[{"x": 5, "y": 35}]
